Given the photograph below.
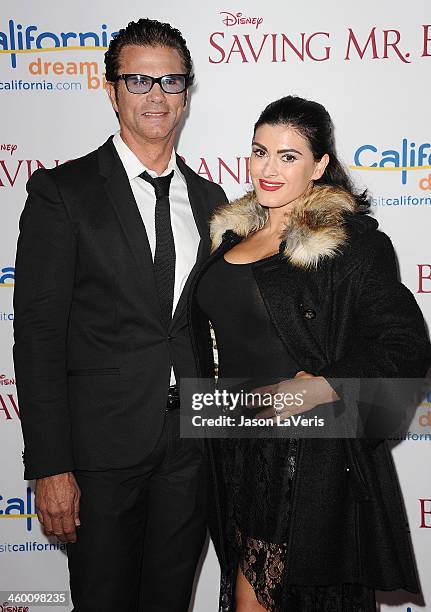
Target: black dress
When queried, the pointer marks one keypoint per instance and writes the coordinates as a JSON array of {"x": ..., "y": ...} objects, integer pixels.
[{"x": 258, "y": 473}]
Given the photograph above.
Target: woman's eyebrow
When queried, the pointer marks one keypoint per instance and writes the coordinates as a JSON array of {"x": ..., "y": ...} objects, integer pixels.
[
  {"x": 289, "y": 151},
  {"x": 261, "y": 146}
]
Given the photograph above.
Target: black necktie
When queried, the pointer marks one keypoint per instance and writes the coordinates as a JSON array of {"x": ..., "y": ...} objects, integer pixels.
[{"x": 164, "y": 256}]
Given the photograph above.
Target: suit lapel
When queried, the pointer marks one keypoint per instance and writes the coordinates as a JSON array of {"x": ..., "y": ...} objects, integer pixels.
[
  {"x": 121, "y": 197},
  {"x": 199, "y": 210},
  {"x": 198, "y": 207}
]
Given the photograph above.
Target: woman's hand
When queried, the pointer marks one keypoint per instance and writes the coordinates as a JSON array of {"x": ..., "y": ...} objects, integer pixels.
[
  {"x": 296, "y": 395},
  {"x": 302, "y": 374}
]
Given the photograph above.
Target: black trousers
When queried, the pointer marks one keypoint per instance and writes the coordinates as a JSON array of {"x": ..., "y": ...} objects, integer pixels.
[{"x": 142, "y": 530}]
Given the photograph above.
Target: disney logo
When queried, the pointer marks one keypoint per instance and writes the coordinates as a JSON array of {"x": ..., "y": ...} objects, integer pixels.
[
  {"x": 8, "y": 147},
  {"x": 233, "y": 19}
]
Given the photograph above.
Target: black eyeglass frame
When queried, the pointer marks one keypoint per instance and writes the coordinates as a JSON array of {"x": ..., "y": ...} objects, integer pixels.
[{"x": 124, "y": 77}]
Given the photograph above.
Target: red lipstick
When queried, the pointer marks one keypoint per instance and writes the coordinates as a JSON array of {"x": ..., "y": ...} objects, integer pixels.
[{"x": 270, "y": 185}]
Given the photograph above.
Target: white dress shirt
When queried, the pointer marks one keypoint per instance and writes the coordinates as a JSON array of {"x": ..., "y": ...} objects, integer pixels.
[{"x": 185, "y": 232}]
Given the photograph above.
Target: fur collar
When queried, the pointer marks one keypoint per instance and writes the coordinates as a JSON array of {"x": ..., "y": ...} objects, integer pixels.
[{"x": 314, "y": 230}]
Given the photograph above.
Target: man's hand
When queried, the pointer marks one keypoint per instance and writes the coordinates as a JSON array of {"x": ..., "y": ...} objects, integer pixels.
[{"x": 57, "y": 505}]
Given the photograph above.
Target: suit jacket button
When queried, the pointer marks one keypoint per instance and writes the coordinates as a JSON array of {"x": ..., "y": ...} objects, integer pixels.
[{"x": 309, "y": 314}]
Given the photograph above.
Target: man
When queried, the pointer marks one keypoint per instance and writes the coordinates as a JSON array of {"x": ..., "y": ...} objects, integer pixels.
[{"x": 108, "y": 244}]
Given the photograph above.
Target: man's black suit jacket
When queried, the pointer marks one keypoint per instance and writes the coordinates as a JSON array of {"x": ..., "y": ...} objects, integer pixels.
[{"x": 92, "y": 358}]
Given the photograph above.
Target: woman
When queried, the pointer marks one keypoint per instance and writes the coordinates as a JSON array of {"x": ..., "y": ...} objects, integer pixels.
[{"x": 302, "y": 286}]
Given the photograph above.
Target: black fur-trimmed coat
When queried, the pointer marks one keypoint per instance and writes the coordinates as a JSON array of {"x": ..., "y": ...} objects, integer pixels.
[{"x": 334, "y": 297}]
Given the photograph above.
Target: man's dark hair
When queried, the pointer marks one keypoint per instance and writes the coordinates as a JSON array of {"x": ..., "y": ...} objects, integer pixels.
[{"x": 147, "y": 33}]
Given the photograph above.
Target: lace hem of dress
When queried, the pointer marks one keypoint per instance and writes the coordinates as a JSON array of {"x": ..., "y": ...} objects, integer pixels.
[{"x": 262, "y": 564}]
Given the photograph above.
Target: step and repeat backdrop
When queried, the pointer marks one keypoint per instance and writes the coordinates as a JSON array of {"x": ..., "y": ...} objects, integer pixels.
[{"x": 368, "y": 63}]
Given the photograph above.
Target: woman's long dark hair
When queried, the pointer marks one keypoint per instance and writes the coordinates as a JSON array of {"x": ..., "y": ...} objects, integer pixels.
[{"x": 313, "y": 122}]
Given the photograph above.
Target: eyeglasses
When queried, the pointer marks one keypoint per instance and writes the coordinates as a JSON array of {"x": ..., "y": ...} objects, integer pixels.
[{"x": 142, "y": 83}]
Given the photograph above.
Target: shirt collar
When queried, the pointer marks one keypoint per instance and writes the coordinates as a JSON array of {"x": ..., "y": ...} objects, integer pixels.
[{"x": 133, "y": 166}]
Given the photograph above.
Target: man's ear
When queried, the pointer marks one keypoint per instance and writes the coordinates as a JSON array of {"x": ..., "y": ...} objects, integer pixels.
[
  {"x": 112, "y": 94},
  {"x": 186, "y": 97}
]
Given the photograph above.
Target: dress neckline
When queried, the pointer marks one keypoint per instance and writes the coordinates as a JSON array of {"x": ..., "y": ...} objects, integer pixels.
[{"x": 250, "y": 263}]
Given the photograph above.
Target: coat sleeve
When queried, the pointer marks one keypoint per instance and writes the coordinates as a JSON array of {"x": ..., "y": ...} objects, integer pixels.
[
  {"x": 44, "y": 278},
  {"x": 389, "y": 341}
]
